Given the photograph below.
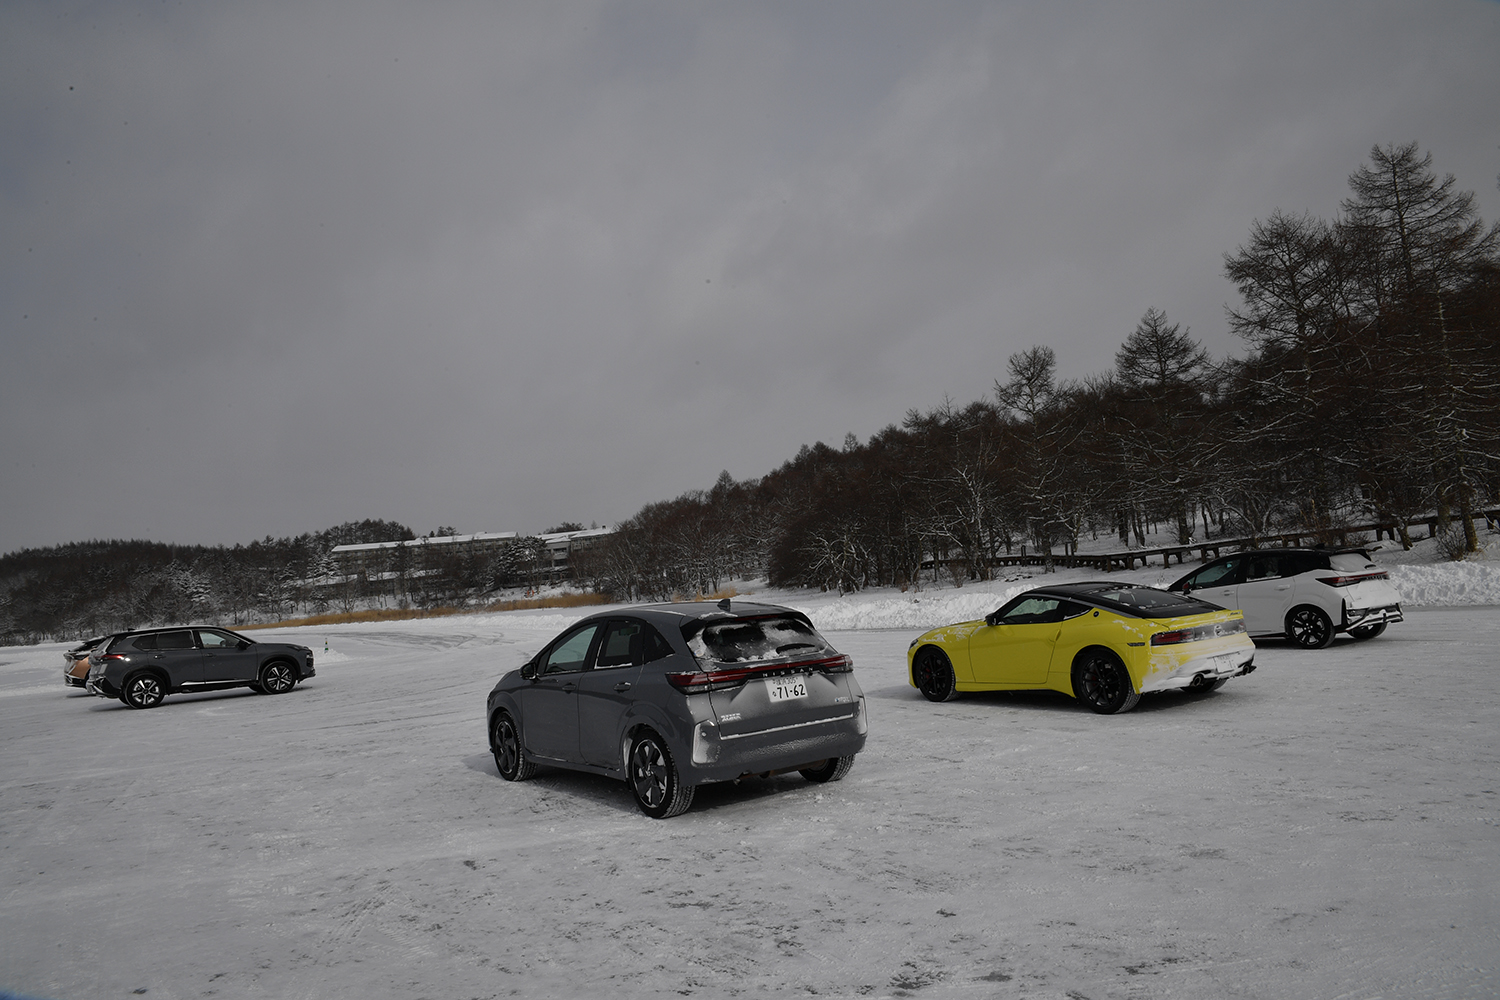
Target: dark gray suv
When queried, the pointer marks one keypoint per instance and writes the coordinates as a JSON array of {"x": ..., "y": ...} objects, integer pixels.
[
  {"x": 143, "y": 667},
  {"x": 670, "y": 696}
]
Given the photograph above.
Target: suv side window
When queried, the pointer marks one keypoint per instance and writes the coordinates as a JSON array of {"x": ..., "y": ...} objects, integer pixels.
[
  {"x": 144, "y": 642},
  {"x": 656, "y": 645},
  {"x": 216, "y": 639},
  {"x": 1303, "y": 562},
  {"x": 569, "y": 655},
  {"x": 1265, "y": 566},
  {"x": 623, "y": 645},
  {"x": 627, "y": 643},
  {"x": 1221, "y": 574},
  {"x": 174, "y": 640}
]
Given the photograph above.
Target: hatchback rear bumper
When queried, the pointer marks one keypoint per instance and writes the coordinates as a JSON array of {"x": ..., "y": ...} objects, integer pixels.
[
  {"x": 1359, "y": 617},
  {"x": 716, "y": 757}
]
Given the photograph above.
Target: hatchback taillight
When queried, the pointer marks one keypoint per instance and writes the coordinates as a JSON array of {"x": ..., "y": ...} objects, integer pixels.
[
  {"x": 1351, "y": 580},
  {"x": 697, "y": 681}
]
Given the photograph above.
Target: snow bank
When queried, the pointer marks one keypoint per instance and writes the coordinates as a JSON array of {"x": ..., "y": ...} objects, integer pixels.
[
  {"x": 1447, "y": 584},
  {"x": 1421, "y": 584}
]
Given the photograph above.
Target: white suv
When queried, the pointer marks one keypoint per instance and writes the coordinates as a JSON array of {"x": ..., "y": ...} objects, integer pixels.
[{"x": 1306, "y": 595}]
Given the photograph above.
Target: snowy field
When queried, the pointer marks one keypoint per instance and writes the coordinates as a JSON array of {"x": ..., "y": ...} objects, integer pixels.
[{"x": 1328, "y": 827}]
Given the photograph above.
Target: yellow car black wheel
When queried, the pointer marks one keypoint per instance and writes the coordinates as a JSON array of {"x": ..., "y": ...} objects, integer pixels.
[
  {"x": 934, "y": 674},
  {"x": 1102, "y": 683}
]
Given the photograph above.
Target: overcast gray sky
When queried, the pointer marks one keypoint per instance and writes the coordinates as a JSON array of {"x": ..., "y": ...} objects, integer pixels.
[{"x": 269, "y": 267}]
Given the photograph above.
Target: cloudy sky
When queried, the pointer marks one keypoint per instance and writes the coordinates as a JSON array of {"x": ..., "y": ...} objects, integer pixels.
[{"x": 269, "y": 267}]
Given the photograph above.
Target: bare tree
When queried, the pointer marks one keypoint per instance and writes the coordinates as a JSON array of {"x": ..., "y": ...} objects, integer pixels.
[{"x": 1422, "y": 245}]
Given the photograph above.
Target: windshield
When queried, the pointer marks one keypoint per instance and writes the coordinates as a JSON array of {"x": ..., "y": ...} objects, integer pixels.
[{"x": 748, "y": 639}]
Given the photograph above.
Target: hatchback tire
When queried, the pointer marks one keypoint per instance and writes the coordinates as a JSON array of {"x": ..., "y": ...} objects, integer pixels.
[
  {"x": 654, "y": 779},
  {"x": 510, "y": 756},
  {"x": 1362, "y": 632},
  {"x": 832, "y": 769},
  {"x": 1309, "y": 627}
]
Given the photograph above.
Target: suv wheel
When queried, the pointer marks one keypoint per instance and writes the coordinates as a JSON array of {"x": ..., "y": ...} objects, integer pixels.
[
  {"x": 143, "y": 691},
  {"x": 1309, "y": 627},
  {"x": 277, "y": 678}
]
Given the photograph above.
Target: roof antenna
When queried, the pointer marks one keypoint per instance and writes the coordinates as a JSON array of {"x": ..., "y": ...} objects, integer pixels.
[{"x": 724, "y": 604}]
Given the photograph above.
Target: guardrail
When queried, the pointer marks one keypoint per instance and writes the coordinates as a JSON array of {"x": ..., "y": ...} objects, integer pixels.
[{"x": 1210, "y": 549}]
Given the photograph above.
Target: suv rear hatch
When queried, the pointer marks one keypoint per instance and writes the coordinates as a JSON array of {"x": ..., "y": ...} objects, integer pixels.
[
  {"x": 1361, "y": 583},
  {"x": 767, "y": 673}
]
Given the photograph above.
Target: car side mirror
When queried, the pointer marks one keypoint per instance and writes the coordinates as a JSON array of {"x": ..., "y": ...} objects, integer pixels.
[
  {"x": 992, "y": 619},
  {"x": 243, "y": 644},
  {"x": 528, "y": 671}
]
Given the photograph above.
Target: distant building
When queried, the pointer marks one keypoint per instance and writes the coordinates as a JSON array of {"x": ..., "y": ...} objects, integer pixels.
[
  {"x": 372, "y": 559},
  {"x": 376, "y": 560},
  {"x": 564, "y": 543}
]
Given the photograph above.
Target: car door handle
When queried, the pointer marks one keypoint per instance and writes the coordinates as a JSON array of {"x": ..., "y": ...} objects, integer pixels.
[
  {"x": 1284, "y": 586},
  {"x": 623, "y": 686}
]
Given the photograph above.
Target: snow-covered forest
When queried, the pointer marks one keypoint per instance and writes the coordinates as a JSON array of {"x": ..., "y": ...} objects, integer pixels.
[{"x": 1369, "y": 391}]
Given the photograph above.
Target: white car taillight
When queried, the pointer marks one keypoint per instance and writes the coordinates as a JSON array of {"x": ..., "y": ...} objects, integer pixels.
[{"x": 1351, "y": 579}]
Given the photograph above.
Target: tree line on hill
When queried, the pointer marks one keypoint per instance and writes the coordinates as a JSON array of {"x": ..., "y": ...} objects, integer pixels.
[
  {"x": 91, "y": 588},
  {"x": 1370, "y": 388}
]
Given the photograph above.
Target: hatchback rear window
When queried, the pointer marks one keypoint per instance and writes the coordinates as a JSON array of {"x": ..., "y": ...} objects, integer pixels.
[
  {"x": 1350, "y": 562},
  {"x": 744, "y": 640}
]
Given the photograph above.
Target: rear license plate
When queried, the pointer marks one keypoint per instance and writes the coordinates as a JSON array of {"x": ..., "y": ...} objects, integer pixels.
[{"x": 786, "y": 688}]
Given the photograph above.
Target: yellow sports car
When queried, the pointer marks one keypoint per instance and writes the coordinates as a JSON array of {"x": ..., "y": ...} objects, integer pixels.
[{"x": 1105, "y": 644}]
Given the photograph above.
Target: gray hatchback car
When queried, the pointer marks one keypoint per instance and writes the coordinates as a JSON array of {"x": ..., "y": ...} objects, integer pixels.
[
  {"x": 143, "y": 667},
  {"x": 671, "y": 696}
]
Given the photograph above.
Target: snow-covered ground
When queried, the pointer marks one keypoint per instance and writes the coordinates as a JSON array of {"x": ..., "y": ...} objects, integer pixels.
[{"x": 1326, "y": 827}]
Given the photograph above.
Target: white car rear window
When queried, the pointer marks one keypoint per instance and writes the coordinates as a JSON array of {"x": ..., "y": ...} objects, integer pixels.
[{"x": 1349, "y": 562}]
